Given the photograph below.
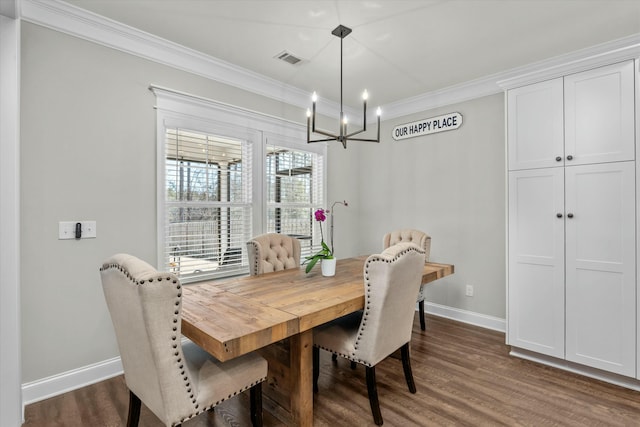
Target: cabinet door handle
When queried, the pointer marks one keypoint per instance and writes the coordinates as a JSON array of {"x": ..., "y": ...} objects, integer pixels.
[
  {"x": 559, "y": 215},
  {"x": 570, "y": 215},
  {"x": 558, "y": 159},
  {"x": 569, "y": 157}
]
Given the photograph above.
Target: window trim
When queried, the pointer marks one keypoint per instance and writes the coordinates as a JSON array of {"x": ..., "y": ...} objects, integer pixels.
[{"x": 181, "y": 110}]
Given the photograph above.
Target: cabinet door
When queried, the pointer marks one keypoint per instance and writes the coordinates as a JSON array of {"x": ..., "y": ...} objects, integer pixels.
[
  {"x": 601, "y": 263},
  {"x": 599, "y": 115},
  {"x": 536, "y": 261},
  {"x": 535, "y": 125}
]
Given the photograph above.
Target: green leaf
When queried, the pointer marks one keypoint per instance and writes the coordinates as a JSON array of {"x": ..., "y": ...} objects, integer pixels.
[
  {"x": 313, "y": 262},
  {"x": 326, "y": 248}
]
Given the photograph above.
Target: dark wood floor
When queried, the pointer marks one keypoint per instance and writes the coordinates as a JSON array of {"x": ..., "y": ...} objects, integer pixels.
[{"x": 464, "y": 377}]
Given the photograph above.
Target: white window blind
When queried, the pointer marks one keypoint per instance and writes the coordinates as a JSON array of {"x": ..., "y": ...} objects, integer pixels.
[
  {"x": 207, "y": 204},
  {"x": 225, "y": 175},
  {"x": 294, "y": 190}
]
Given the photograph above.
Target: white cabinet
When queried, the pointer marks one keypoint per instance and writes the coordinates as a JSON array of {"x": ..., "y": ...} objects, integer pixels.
[
  {"x": 579, "y": 119},
  {"x": 599, "y": 115},
  {"x": 600, "y": 266},
  {"x": 536, "y": 260},
  {"x": 572, "y": 219},
  {"x": 536, "y": 125}
]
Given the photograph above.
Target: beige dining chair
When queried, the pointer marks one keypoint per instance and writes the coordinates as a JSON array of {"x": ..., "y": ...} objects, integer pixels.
[
  {"x": 421, "y": 239},
  {"x": 175, "y": 381},
  {"x": 391, "y": 281},
  {"x": 273, "y": 252}
]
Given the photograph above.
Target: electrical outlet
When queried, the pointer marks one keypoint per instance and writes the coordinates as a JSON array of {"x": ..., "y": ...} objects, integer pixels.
[
  {"x": 469, "y": 291},
  {"x": 67, "y": 229}
]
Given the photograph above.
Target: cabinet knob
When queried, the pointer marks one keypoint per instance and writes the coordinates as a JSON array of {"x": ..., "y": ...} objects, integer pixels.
[
  {"x": 569, "y": 157},
  {"x": 558, "y": 159},
  {"x": 559, "y": 215},
  {"x": 570, "y": 215}
]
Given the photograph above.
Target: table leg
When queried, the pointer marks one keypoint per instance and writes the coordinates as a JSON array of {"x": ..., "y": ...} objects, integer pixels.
[{"x": 301, "y": 358}]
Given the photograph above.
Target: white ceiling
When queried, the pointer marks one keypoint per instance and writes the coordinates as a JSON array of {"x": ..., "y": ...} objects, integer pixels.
[{"x": 398, "y": 48}]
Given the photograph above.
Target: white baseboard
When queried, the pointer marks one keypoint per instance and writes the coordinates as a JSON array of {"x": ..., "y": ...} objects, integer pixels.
[
  {"x": 45, "y": 388},
  {"x": 608, "y": 377},
  {"x": 464, "y": 316},
  {"x": 57, "y": 384}
]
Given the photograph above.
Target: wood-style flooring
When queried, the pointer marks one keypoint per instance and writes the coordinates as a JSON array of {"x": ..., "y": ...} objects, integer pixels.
[{"x": 464, "y": 377}]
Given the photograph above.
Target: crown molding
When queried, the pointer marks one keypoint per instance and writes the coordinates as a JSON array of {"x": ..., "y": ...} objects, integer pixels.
[
  {"x": 69, "y": 19},
  {"x": 72, "y": 20},
  {"x": 603, "y": 54},
  {"x": 442, "y": 97},
  {"x": 607, "y": 53},
  {"x": 9, "y": 9}
]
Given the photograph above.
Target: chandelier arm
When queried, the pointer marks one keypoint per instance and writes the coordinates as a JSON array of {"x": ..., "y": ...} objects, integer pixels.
[
  {"x": 364, "y": 115},
  {"x": 363, "y": 139},
  {"x": 349, "y": 135},
  {"x": 321, "y": 140},
  {"x": 325, "y": 133}
]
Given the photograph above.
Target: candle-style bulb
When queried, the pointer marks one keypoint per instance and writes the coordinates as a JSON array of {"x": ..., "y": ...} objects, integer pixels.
[
  {"x": 344, "y": 120},
  {"x": 379, "y": 112},
  {"x": 308, "y": 113},
  {"x": 365, "y": 95},
  {"x": 314, "y": 97}
]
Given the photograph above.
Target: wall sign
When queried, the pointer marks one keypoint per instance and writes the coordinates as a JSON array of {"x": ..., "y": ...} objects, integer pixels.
[{"x": 442, "y": 123}]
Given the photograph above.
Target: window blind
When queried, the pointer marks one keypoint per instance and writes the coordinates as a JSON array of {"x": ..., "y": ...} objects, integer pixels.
[
  {"x": 207, "y": 204},
  {"x": 294, "y": 183}
]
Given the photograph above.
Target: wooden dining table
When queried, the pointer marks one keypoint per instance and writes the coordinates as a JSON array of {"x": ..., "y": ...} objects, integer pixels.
[{"x": 275, "y": 313}]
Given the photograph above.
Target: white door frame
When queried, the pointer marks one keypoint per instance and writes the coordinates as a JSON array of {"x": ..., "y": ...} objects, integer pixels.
[{"x": 11, "y": 411}]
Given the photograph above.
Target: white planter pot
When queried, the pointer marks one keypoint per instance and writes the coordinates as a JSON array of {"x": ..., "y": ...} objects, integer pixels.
[{"x": 328, "y": 267}]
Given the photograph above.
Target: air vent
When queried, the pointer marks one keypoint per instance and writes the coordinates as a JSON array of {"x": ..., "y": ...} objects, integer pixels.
[{"x": 287, "y": 57}]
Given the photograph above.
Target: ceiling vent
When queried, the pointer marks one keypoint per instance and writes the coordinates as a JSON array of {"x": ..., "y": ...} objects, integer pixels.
[{"x": 287, "y": 57}]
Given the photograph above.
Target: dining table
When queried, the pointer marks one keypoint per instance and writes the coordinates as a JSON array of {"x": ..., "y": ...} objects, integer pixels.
[{"x": 274, "y": 314}]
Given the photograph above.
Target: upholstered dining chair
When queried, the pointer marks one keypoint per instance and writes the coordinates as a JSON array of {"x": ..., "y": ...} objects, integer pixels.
[
  {"x": 175, "y": 381},
  {"x": 391, "y": 280},
  {"x": 273, "y": 252},
  {"x": 421, "y": 239}
]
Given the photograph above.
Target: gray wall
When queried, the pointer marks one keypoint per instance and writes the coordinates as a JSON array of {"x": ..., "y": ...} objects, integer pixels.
[
  {"x": 88, "y": 152},
  {"x": 452, "y": 186}
]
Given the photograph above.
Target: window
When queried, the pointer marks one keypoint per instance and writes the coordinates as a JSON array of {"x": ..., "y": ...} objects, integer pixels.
[
  {"x": 220, "y": 183},
  {"x": 294, "y": 190},
  {"x": 207, "y": 208}
]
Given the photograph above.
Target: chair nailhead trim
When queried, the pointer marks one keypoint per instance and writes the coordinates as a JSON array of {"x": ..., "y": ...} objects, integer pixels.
[
  {"x": 350, "y": 357},
  {"x": 178, "y": 353},
  {"x": 206, "y": 408},
  {"x": 363, "y": 322}
]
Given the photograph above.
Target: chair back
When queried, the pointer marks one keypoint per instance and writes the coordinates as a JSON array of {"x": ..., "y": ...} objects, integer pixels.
[
  {"x": 392, "y": 280},
  {"x": 417, "y": 237},
  {"x": 273, "y": 252},
  {"x": 145, "y": 308}
]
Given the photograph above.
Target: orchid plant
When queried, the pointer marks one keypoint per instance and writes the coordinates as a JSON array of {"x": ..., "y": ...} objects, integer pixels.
[{"x": 326, "y": 252}]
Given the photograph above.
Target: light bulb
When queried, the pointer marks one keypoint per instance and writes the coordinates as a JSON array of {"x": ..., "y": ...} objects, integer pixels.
[
  {"x": 314, "y": 97},
  {"x": 365, "y": 95},
  {"x": 379, "y": 112},
  {"x": 308, "y": 113}
]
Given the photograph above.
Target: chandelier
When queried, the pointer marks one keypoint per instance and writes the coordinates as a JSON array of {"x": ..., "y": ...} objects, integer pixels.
[{"x": 343, "y": 136}]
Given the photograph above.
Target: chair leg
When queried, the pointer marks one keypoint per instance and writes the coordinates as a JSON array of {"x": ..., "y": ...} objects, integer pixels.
[
  {"x": 134, "y": 410},
  {"x": 334, "y": 357},
  {"x": 255, "y": 398},
  {"x": 372, "y": 389},
  {"x": 421, "y": 312},
  {"x": 406, "y": 364},
  {"x": 316, "y": 368}
]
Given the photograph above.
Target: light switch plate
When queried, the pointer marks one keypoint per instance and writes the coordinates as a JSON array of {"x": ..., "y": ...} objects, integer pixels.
[{"x": 67, "y": 229}]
